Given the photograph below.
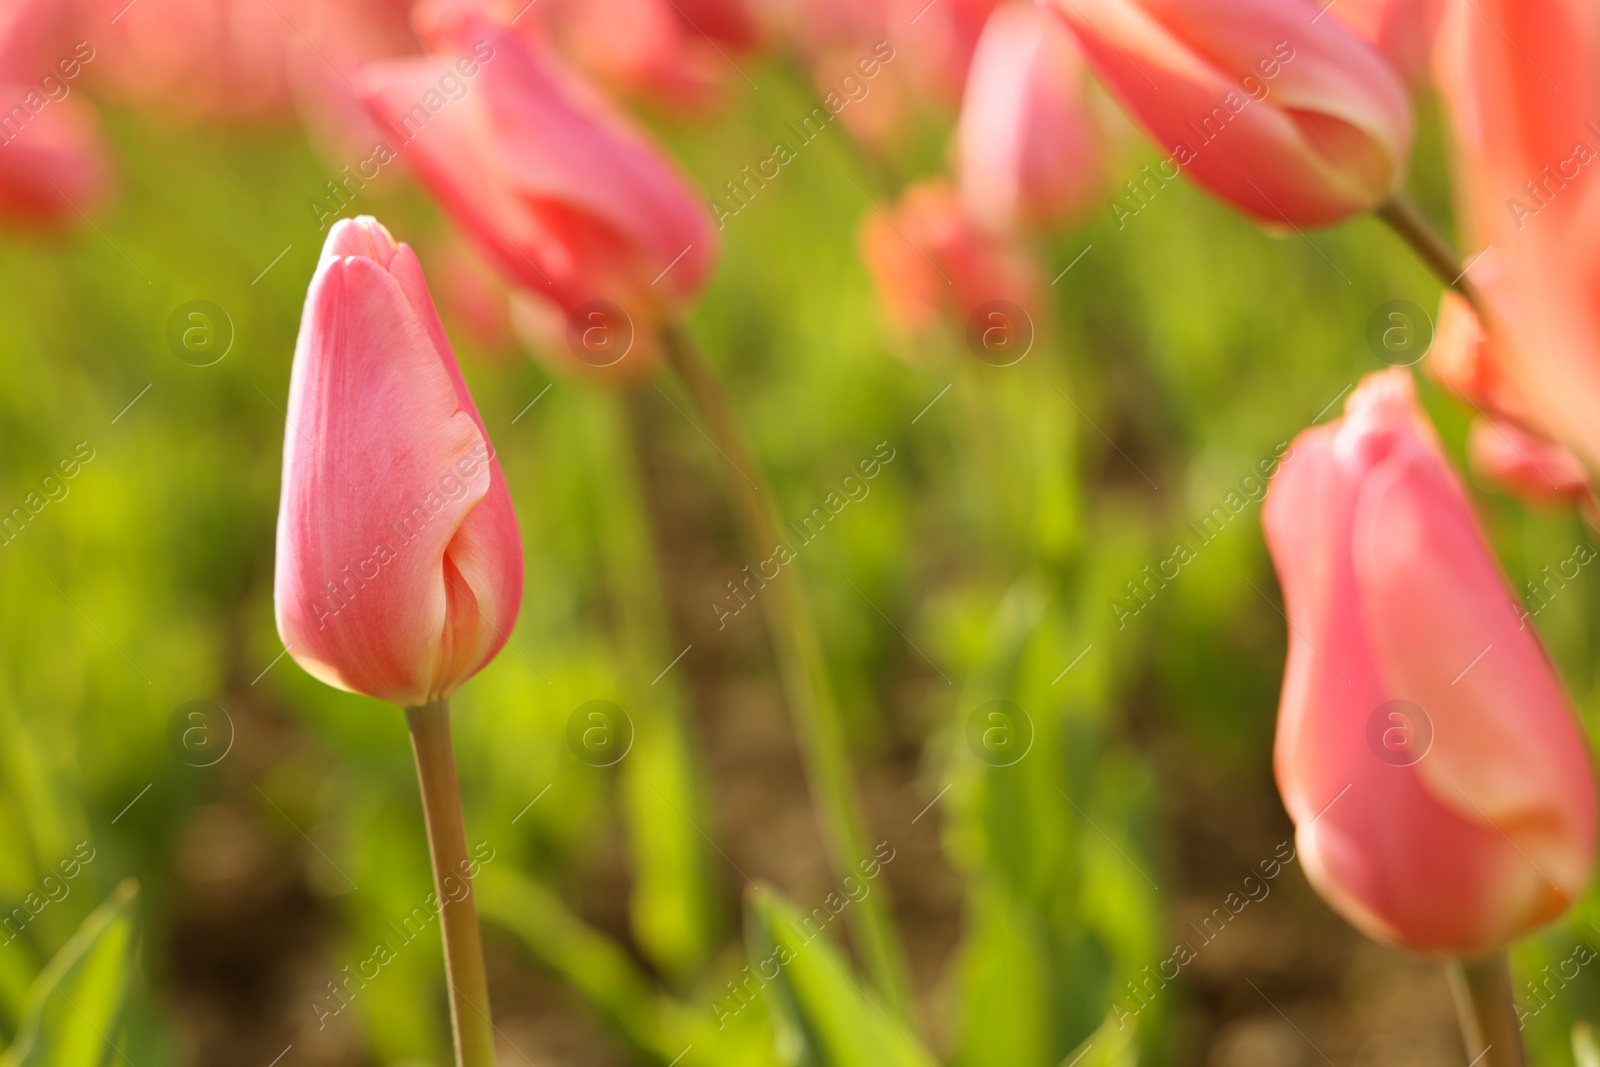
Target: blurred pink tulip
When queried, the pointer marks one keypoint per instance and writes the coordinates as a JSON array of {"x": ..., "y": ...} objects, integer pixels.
[
  {"x": 552, "y": 185},
  {"x": 53, "y": 167},
  {"x": 1464, "y": 361},
  {"x": 399, "y": 565},
  {"x": 1525, "y": 465},
  {"x": 1441, "y": 789},
  {"x": 927, "y": 258},
  {"x": 937, "y": 41},
  {"x": 341, "y": 37},
  {"x": 202, "y": 59},
  {"x": 1510, "y": 446},
  {"x": 472, "y": 295},
  {"x": 52, "y": 164},
  {"x": 1291, "y": 119},
  {"x": 1530, "y": 197},
  {"x": 680, "y": 51},
  {"x": 1029, "y": 152},
  {"x": 238, "y": 60},
  {"x": 1403, "y": 30}
]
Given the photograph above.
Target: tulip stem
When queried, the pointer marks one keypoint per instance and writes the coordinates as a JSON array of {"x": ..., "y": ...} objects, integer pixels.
[
  {"x": 803, "y": 669},
  {"x": 1482, "y": 987},
  {"x": 458, "y": 918},
  {"x": 1407, "y": 219}
]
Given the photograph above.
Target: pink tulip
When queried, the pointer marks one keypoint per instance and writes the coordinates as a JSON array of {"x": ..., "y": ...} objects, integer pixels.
[
  {"x": 552, "y": 186},
  {"x": 1442, "y": 792},
  {"x": 1290, "y": 118},
  {"x": 681, "y": 51},
  {"x": 472, "y": 295},
  {"x": 1029, "y": 151},
  {"x": 1403, "y": 30},
  {"x": 938, "y": 46},
  {"x": 399, "y": 567},
  {"x": 1467, "y": 363},
  {"x": 928, "y": 258},
  {"x": 1523, "y": 87},
  {"x": 53, "y": 166},
  {"x": 202, "y": 59},
  {"x": 1525, "y": 465},
  {"x": 1510, "y": 446}
]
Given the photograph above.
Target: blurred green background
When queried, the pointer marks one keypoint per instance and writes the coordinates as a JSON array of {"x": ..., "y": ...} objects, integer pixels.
[{"x": 621, "y": 902}]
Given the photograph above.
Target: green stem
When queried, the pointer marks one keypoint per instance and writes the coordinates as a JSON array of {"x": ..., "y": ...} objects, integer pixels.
[
  {"x": 1407, "y": 219},
  {"x": 1489, "y": 1026},
  {"x": 804, "y": 673},
  {"x": 458, "y": 918}
]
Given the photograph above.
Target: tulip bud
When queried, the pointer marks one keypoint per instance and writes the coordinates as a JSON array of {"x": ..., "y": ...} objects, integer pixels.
[
  {"x": 54, "y": 166},
  {"x": 1290, "y": 118},
  {"x": 1442, "y": 792},
  {"x": 554, "y": 188},
  {"x": 1028, "y": 149},
  {"x": 399, "y": 566},
  {"x": 928, "y": 257}
]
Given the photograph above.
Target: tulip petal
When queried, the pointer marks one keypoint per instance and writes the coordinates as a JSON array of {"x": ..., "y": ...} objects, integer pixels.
[
  {"x": 381, "y": 467},
  {"x": 1292, "y": 119},
  {"x": 1506, "y": 752}
]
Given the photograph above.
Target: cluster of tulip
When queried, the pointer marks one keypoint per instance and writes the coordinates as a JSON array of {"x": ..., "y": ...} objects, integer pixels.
[
  {"x": 1393, "y": 596},
  {"x": 399, "y": 562}
]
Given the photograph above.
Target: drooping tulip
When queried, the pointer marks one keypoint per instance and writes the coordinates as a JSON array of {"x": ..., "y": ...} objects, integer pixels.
[
  {"x": 552, "y": 186},
  {"x": 1403, "y": 30},
  {"x": 928, "y": 257},
  {"x": 1441, "y": 789},
  {"x": 399, "y": 566},
  {"x": 1029, "y": 151},
  {"x": 1290, "y": 118},
  {"x": 1522, "y": 84}
]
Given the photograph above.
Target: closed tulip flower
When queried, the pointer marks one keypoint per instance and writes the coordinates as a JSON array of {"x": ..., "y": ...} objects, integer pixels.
[
  {"x": 54, "y": 167},
  {"x": 1290, "y": 118},
  {"x": 553, "y": 187},
  {"x": 928, "y": 257},
  {"x": 399, "y": 566},
  {"x": 1442, "y": 792},
  {"x": 52, "y": 164},
  {"x": 1029, "y": 152}
]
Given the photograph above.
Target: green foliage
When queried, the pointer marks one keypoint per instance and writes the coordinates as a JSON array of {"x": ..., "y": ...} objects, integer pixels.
[
  {"x": 822, "y": 1017},
  {"x": 73, "y": 1016}
]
